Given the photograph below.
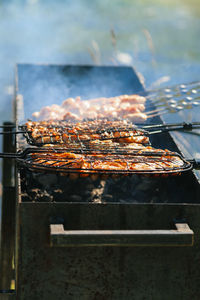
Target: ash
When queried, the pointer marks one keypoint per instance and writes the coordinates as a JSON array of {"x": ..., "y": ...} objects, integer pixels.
[{"x": 41, "y": 187}]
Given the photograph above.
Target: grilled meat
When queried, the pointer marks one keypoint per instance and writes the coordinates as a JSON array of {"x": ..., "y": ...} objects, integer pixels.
[
  {"x": 62, "y": 133},
  {"x": 86, "y": 164},
  {"x": 97, "y": 147}
]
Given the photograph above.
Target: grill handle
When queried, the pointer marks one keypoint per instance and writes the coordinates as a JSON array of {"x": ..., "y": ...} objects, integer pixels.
[
  {"x": 20, "y": 154},
  {"x": 181, "y": 236},
  {"x": 11, "y": 155},
  {"x": 195, "y": 163}
]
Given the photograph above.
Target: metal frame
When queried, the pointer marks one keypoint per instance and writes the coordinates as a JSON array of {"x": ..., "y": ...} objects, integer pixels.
[
  {"x": 55, "y": 164},
  {"x": 7, "y": 218}
]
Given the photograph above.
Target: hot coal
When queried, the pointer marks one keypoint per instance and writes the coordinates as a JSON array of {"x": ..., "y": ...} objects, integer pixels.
[{"x": 41, "y": 187}]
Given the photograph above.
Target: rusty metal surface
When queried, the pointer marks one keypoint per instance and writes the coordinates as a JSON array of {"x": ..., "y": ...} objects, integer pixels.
[{"x": 105, "y": 272}]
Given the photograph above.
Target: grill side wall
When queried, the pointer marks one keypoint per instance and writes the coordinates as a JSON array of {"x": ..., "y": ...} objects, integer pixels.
[{"x": 105, "y": 272}]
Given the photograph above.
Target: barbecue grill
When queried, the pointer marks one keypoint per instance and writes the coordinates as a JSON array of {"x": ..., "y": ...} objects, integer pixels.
[{"x": 135, "y": 238}]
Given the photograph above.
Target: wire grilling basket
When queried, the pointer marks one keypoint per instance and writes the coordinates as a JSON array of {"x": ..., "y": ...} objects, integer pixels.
[
  {"x": 98, "y": 147},
  {"x": 62, "y": 132},
  {"x": 143, "y": 163},
  {"x": 86, "y": 162}
]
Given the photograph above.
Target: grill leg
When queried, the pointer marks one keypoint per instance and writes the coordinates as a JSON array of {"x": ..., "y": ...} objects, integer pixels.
[{"x": 8, "y": 215}]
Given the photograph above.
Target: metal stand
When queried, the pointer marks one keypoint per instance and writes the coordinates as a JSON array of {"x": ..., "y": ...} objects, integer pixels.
[{"x": 7, "y": 218}]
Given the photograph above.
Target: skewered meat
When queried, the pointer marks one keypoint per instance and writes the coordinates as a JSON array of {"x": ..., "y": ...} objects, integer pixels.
[
  {"x": 136, "y": 117},
  {"x": 128, "y": 106}
]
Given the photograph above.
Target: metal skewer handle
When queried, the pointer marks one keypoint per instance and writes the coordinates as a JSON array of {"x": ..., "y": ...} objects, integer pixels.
[
  {"x": 171, "y": 126},
  {"x": 195, "y": 163}
]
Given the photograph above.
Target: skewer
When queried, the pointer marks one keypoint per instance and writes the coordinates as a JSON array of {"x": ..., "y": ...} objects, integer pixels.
[
  {"x": 171, "y": 109},
  {"x": 6, "y": 126},
  {"x": 186, "y": 101},
  {"x": 183, "y": 88},
  {"x": 157, "y": 114},
  {"x": 154, "y": 111},
  {"x": 165, "y": 96}
]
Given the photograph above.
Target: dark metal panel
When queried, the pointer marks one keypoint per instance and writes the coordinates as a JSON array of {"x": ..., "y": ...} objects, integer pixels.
[{"x": 106, "y": 272}]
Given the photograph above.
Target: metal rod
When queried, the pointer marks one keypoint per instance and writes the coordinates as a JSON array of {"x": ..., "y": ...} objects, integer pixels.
[
  {"x": 12, "y": 132},
  {"x": 184, "y": 124},
  {"x": 195, "y": 163},
  {"x": 10, "y": 125},
  {"x": 173, "y": 87}
]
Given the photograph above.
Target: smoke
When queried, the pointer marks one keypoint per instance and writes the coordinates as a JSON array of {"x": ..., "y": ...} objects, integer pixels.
[
  {"x": 42, "y": 85},
  {"x": 40, "y": 32},
  {"x": 78, "y": 32}
]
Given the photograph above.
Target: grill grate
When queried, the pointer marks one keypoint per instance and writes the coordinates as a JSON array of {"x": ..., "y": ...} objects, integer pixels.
[
  {"x": 87, "y": 162},
  {"x": 62, "y": 132}
]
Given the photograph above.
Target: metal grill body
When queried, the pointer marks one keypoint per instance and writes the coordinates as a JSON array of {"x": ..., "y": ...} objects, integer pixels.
[{"x": 138, "y": 253}]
